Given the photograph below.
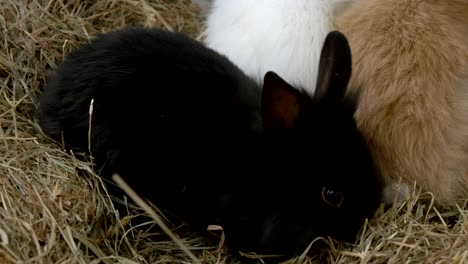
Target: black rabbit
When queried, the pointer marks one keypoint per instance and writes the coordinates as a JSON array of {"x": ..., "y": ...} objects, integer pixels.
[{"x": 192, "y": 133}]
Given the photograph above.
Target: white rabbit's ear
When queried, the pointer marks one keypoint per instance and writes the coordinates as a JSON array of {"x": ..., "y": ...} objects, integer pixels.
[
  {"x": 280, "y": 102},
  {"x": 334, "y": 67}
]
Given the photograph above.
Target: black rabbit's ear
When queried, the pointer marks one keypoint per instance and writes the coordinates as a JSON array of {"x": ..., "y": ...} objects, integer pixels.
[
  {"x": 334, "y": 68},
  {"x": 280, "y": 102}
]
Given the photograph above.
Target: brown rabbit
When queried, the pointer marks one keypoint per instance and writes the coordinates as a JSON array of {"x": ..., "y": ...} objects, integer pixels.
[{"x": 411, "y": 62}]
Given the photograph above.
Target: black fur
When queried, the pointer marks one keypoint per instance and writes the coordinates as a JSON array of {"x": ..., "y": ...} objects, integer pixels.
[{"x": 183, "y": 126}]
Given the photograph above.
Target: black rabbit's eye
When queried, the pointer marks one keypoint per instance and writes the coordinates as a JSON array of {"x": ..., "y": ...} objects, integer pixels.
[{"x": 332, "y": 197}]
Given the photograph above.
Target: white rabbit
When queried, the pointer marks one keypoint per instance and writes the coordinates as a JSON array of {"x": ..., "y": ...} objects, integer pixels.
[{"x": 285, "y": 36}]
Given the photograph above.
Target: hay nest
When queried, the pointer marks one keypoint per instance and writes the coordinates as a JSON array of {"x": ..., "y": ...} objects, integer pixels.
[{"x": 55, "y": 210}]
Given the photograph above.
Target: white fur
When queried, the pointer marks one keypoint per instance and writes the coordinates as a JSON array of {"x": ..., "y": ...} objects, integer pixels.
[
  {"x": 395, "y": 192},
  {"x": 284, "y": 36}
]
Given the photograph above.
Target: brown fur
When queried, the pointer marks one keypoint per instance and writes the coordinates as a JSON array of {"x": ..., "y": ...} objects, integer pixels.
[{"x": 410, "y": 58}]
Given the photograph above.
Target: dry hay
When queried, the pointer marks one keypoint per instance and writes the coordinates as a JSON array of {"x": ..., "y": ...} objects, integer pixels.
[{"x": 53, "y": 208}]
